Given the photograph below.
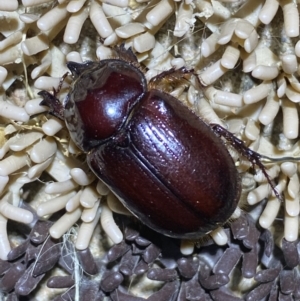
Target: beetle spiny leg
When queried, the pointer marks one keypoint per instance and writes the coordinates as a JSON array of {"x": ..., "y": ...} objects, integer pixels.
[
  {"x": 50, "y": 100},
  {"x": 246, "y": 152}
]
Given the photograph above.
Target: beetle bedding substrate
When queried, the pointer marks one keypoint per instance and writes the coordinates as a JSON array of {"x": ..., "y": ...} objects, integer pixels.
[{"x": 246, "y": 55}]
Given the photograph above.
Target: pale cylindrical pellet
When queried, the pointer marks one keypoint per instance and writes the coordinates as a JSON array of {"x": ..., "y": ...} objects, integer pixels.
[
  {"x": 13, "y": 39},
  {"x": 219, "y": 236},
  {"x": 115, "y": 205},
  {"x": 224, "y": 98},
  {"x": 101, "y": 188},
  {"x": 11, "y": 5},
  {"x": 47, "y": 83},
  {"x": 293, "y": 187},
  {"x": 36, "y": 170},
  {"x": 131, "y": 29},
  {"x": 290, "y": 119},
  {"x": 61, "y": 187},
  {"x": 3, "y": 74},
  {"x": 292, "y": 94},
  {"x": 178, "y": 63},
  {"x": 88, "y": 197},
  {"x": 13, "y": 163},
  {"x": 11, "y": 55},
  {"x": 111, "y": 40},
  {"x": 100, "y": 21},
  {"x": 187, "y": 247},
  {"x": 251, "y": 43},
  {"x": 297, "y": 49},
  {"x": 120, "y": 3},
  {"x": 74, "y": 26},
  {"x": 64, "y": 224},
  {"x": 243, "y": 29},
  {"x": 52, "y": 126},
  {"x": 54, "y": 205},
  {"x": 282, "y": 182},
  {"x": 104, "y": 52},
  {"x": 28, "y": 18},
  {"x": 85, "y": 232},
  {"x": 258, "y": 194},
  {"x": 227, "y": 30},
  {"x": 265, "y": 72},
  {"x": 210, "y": 45},
  {"x": 183, "y": 19},
  {"x": 292, "y": 206},
  {"x": 249, "y": 62},
  {"x": 269, "y": 213},
  {"x": 291, "y": 18},
  {"x": 4, "y": 242},
  {"x": 15, "y": 213},
  {"x": 291, "y": 226},
  {"x": 212, "y": 73},
  {"x": 207, "y": 112},
  {"x": 252, "y": 130},
  {"x": 272, "y": 173},
  {"x": 24, "y": 140},
  {"x": 88, "y": 214},
  {"x": 74, "y": 56},
  {"x": 144, "y": 42},
  {"x": 74, "y": 202},
  {"x": 230, "y": 57},
  {"x": 35, "y": 44},
  {"x": 53, "y": 17},
  {"x": 75, "y": 6},
  {"x": 80, "y": 177},
  {"x": 109, "y": 226},
  {"x": 3, "y": 182},
  {"x": 33, "y": 107},
  {"x": 43, "y": 150},
  {"x": 288, "y": 168},
  {"x": 289, "y": 63},
  {"x": 257, "y": 93},
  {"x": 13, "y": 112},
  {"x": 268, "y": 11},
  {"x": 28, "y": 3},
  {"x": 160, "y": 12},
  {"x": 270, "y": 109},
  {"x": 42, "y": 68}
]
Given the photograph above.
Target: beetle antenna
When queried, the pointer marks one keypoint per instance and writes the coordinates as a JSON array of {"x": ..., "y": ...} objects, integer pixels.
[{"x": 252, "y": 156}]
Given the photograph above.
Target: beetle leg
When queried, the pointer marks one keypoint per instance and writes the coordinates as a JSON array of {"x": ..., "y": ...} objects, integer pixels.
[
  {"x": 245, "y": 151},
  {"x": 51, "y": 101}
]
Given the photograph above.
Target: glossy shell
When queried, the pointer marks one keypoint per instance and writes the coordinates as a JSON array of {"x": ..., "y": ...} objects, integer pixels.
[{"x": 162, "y": 161}]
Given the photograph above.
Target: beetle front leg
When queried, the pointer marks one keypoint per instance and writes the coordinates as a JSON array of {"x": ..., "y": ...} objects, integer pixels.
[
  {"x": 51, "y": 101},
  {"x": 246, "y": 152}
]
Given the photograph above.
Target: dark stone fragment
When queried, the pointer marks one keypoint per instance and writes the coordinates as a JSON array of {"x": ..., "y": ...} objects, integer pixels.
[
  {"x": 228, "y": 261},
  {"x": 193, "y": 291},
  {"x": 223, "y": 294},
  {"x": 204, "y": 271},
  {"x": 12, "y": 297},
  {"x": 168, "y": 292},
  {"x": 287, "y": 281},
  {"x": 267, "y": 238},
  {"x": 131, "y": 234},
  {"x": 240, "y": 227},
  {"x": 188, "y": 267},
  {"x": 267, "y": 275},
  {"x": 127, "y": 264},
  {"x": 40, "y": 231},
  {"x": 260, "y": 292},
  {"x": 215, "y": 281},
  {"x": 27, "y": 283},
  {"x": 141, "y": 241},
  {"x": 50, "y": 254},
  {"x": 251, "y": 239},
  {"x": 87, "y": 261},
  {"x": 18, "y": 251},
  {"x": 4, "y": 266},
  {"x": 283, "y": 297},
  {"x": 151, "y": 253},
  {"x": 137, "y": 250},
  {"x": 10, "y": 278},
  {"x": 110, "y": 281},
  {"x": 60, "y": 282},
  {"x": 296, "y": 292},
  {"x": 250, "y": 260},
  {"x": 141, "y": 268},
  {"x": 117, "y": 251},
  {"x": 68, "y": 295},
  {"x": 119, "y": 295},
  {"x": 274, "y": 294},
  {"x": 162, "y": 274},
  {"x": 32, "y": 252},
  {"x": 66, "y": 261},
  {"x": 88, "y": 290},
  {"x": 290, "y": 253}
]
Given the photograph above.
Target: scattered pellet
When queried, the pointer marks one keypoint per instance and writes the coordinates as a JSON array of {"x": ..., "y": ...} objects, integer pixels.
[
  {"x": 141, "y": 268},
  {"x": 290, "y": 253},
  {"x": 141, "y": 241},
  {"x": 162, "y": 274},
  {"x": 151, "y": 253},
  {"x": 214, "y": 281},
  {"x": 117, "y": 251},
  {"x": 251, "y": 239},
  {"x": 127, "y": 264},
  {"x": 110, "y": 281},
  {"x": 267, "y": 275},
  {"x": 240, "y": 227},
  {"x": 284, "y": 297},
  {"x": 223, "y": 294},
  {"x": 60, "y": 282},
  {"x": 268, "y": 240},
  {"x": 250, "y": 260},
  {"x": 228, "y": 261},
  {"x": 167, "y": 292},
  {"x": 39, "y": 232},
  {"x": 193, "y": 290},
  {"x": 18, "y": 251},
  {"x": 8, "y": 281},
  {"x": 118, "y": 295},
  {"x": 260, "y": 292},
  {"x": 131, "y": 234},
  {"x": 87, "y": 261},
  {"x": 187, "y": 267},
  {"x": 287, "y": 281}
]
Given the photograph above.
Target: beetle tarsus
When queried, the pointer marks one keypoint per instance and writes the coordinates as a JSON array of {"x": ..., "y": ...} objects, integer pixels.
[{"x": 252, "y": 156}]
